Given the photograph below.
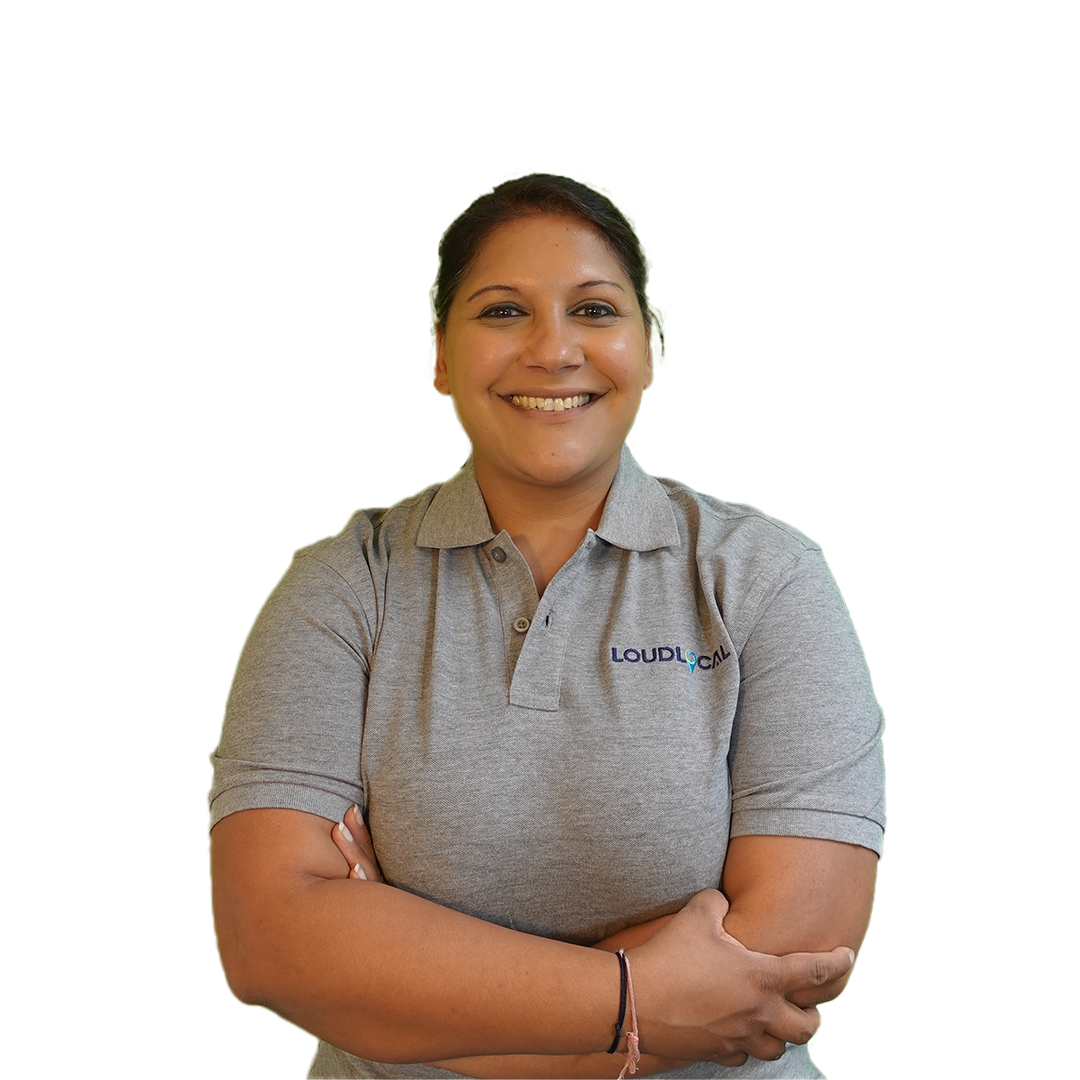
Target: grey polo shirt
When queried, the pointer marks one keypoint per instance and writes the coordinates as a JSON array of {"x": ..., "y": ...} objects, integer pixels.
[{"x": 571, "y": 764}]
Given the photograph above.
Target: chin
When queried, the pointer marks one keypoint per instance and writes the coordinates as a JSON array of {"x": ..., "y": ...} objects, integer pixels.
[{"x": 562, "y": 470}]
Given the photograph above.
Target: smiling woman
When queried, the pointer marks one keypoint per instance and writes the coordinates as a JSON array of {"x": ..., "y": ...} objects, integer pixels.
[
  {"x": 642, "y": 723},
  {"x": 545, "y": 352}
]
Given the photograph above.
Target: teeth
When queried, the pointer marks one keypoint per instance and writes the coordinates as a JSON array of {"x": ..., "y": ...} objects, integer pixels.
[{"x": 547, "y": 404}]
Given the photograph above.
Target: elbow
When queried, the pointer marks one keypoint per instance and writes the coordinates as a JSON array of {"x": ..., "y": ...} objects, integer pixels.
[
  {"x": 242, "y": 976},
  {"x": 248, "y": 954},
  {"x": 248, "y": 946},
  {"x": 258, "y": 977},
  {"x": 265, "y": 915},
  {"x": 263, "y": 966}
]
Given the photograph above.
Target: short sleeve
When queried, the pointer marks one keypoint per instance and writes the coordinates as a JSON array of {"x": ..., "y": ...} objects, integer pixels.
[
  {"x": 806, "y": 756},
  {"x": 294, "y": 720}
]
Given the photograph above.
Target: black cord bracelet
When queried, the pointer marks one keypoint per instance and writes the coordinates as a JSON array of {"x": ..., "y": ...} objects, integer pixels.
[{"x": 622, "y": 1002}]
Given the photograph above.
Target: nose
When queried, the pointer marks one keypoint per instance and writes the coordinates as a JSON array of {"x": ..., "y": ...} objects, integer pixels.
[{"x": 552, "y": 344}]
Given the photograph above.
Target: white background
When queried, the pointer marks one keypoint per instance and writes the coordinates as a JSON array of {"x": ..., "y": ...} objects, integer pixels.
[{"x": 219, "y": 224}]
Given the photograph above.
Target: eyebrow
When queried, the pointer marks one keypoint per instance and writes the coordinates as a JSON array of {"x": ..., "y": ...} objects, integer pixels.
[{"x": 510, "y": 288}]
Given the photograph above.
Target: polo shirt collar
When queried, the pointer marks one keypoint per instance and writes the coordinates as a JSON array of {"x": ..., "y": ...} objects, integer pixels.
[
  {"x": 637, "y": 515},
  {"x": 457, "y": 516}
]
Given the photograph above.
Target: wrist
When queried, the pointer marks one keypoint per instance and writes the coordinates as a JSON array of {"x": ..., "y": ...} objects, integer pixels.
[
  {"x": 624, "y": 981},
  {"x": 626, "y": 1025}
]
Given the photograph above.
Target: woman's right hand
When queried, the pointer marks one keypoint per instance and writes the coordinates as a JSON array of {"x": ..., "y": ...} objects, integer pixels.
[{"x": 702, "y": 995}]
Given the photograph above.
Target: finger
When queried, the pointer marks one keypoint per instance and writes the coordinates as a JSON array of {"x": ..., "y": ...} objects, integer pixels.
[
  {"x": 731, "y": 1061},
  {"x": 365, "y": 858},
  {"x": 346, "y": 842},
  {"x": 815, "y": 1022},
  {"x": 805, "y": 998},
  {"x": 355, "y": 821},
  {"x": 766, "y": 1047},
  {"x": 815, "y": 976},
  {"x": 788, "y": 1023},
  {"x": 360, "y": 866}
]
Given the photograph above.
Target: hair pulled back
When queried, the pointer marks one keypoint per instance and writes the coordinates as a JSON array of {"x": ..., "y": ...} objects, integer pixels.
[{"x": 528, "y": 196}]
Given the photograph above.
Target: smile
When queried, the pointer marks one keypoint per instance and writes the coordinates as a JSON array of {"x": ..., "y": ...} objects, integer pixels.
[{"x": 547, "y": 404}]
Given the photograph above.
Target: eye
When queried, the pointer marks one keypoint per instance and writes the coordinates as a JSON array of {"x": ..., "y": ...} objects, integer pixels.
[
  {"x": 595, "y": 311},
  {"x": 501, "y": 311}
]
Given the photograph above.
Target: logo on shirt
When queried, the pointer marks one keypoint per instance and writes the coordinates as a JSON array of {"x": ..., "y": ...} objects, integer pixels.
[{"x": 663, "y": 653}]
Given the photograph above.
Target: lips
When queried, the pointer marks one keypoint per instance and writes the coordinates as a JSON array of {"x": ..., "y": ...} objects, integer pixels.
[{"x": 550, "y": 404}]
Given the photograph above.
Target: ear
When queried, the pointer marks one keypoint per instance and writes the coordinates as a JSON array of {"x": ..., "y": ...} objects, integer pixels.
[
  {"x": 442, "y": 378},
  {"x": 648, "y": 366}
]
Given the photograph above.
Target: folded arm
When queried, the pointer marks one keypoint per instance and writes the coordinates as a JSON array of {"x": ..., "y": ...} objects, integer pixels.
[
  {"x": 390, "y": 976},
  {"x": 789, "y": 890}
]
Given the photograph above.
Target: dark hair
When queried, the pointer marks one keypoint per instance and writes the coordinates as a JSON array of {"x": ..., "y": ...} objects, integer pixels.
[{"x": 539, "y": 193}]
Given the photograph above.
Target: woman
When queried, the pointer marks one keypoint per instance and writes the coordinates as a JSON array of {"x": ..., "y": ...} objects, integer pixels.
[{"x": 572, "y": 701}]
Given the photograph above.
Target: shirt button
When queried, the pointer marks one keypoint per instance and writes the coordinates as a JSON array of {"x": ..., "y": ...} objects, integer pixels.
[
  {"x": 521, "y": 625},
  {"x": 498, "y": 554}
]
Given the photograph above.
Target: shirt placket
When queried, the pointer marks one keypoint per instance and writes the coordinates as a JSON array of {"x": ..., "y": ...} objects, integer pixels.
[
  {"x": 536, "y": 631},
  {"x": 513, "y": 583}
]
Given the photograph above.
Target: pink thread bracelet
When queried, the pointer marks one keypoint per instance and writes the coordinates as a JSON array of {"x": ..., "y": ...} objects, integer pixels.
[{"x": 633, "y": 1054}]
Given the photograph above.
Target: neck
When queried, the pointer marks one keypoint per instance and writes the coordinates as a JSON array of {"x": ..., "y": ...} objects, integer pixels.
[{"x": 546, "y": 523}]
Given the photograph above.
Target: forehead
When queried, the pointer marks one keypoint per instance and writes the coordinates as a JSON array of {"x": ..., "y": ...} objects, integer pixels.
[{"x": 548, "y": 248}]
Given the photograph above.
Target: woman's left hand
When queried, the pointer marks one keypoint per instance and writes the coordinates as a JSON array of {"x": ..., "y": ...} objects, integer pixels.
[{"x": 354, "y": 842}]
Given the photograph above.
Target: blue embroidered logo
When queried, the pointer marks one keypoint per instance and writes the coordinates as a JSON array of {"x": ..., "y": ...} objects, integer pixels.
[{"x": 694, "y": 661}]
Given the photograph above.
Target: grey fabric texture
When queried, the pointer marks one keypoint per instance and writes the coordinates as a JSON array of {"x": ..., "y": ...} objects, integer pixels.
[{"x": 566, "y": 765}]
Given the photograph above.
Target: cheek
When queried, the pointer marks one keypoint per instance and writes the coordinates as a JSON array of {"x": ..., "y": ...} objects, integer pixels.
[
  {"x": 630, "y": 363},
  {"x": 473, "y": 364}
]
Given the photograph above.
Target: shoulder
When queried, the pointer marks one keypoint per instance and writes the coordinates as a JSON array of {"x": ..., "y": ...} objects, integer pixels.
[
  {"x": 746, "y": 557},
  {"x": 332, "y": 589},
  {"x": 338, "y": 580},
  {"x": 738, "y": 530},
  {"x": 370, "y": 536}
]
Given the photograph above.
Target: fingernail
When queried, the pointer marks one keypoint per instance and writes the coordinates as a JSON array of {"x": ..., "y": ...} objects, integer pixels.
[
  {"x": 345, "y": 831},
  {"x": 851, "y": 953},
  {"x": 358, "y": 870},
  {"x": 356, "y": 811}
]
